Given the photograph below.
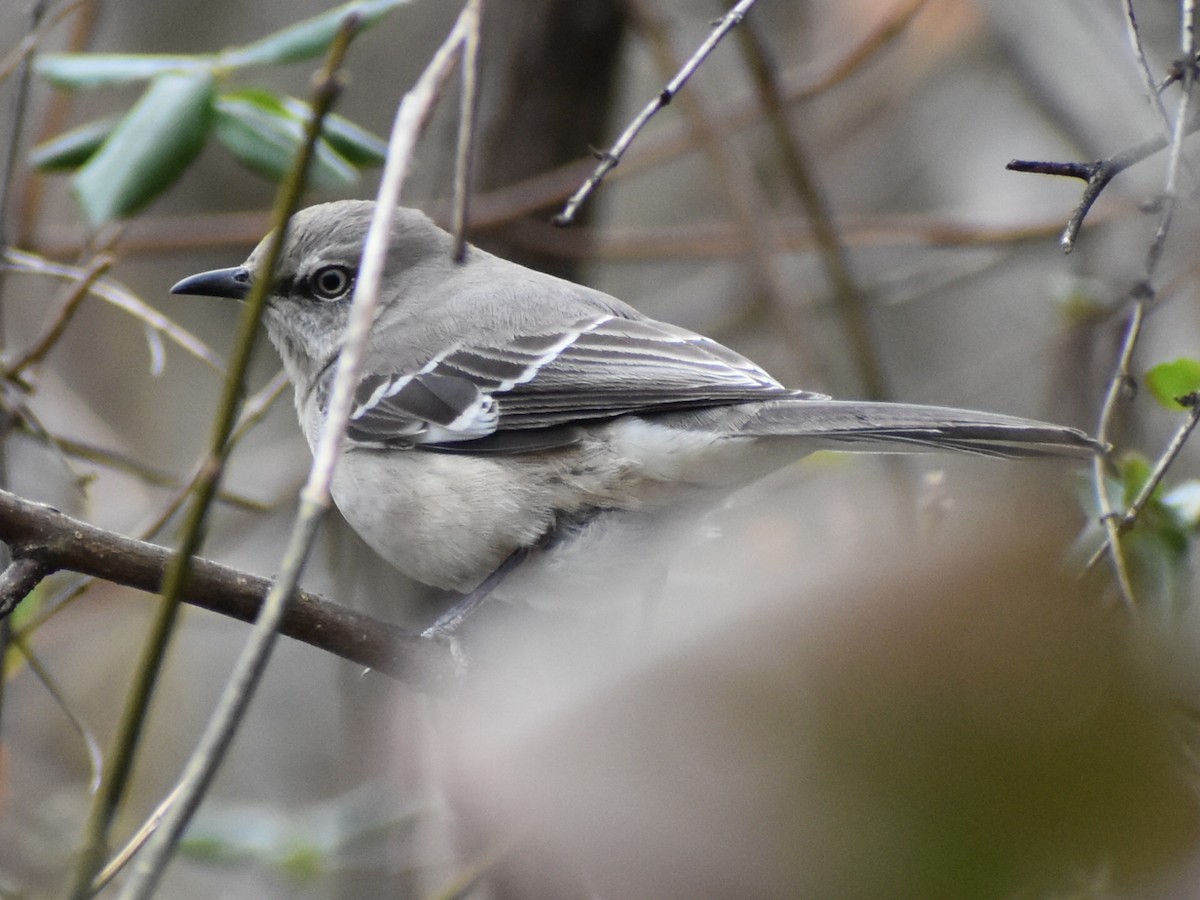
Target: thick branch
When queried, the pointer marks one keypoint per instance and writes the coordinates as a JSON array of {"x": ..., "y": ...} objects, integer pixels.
[{"x": 57, "y": 542}]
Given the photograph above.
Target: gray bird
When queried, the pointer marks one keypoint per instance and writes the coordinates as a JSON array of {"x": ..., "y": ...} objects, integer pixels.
[{"x": 512, "y": 426}]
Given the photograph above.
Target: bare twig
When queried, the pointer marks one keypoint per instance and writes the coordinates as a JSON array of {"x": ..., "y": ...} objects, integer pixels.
[
  {"x": 411, "y": 117},
  {"x": 464, "y": 155},
  {"x": 25, "y": 47},
  {"x": 1097, "y": 174},
  {"x": 253, "y": 410},
  {"x": 848, "y": 296},
  {"x": 744, "y": 196},
  {"x": 99, "y": 265},
  {"x": 91, "y": 745},
  {"x": 1153, "y": 93},
  {"x": 1121, "y": 380},
  {"x": 14, "y": 125},
  {"x": 717, "y": 240},
  {"x": 136, "y": 841},
  {"x": 168, "y": 234},
  {"x": 612, "y": 156},
  {"x": 1125, "y": 521},
  {"x": 210, "y": 751},
  {"x": 1143, "y": 295},
  {"x": 124, "y": 462},
  {"x": 116, "y": 294},
  {"x": 14, "y": 128}
]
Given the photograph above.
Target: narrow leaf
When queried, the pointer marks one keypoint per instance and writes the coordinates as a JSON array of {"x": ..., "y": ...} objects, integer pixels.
[
  {"x": 150, "y": 147},
  {"x": 265, "y": 138},
  {"x": 359, "y": 146},
  {"x": 89, "y": 70},
  {"x": 1171, "y": 380},
  {"x": 73, "y": 148},
  {"x": 309, "y": 38}
]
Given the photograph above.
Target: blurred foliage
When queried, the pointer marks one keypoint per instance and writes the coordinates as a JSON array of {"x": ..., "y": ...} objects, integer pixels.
[{"x": 122, "y": 164}]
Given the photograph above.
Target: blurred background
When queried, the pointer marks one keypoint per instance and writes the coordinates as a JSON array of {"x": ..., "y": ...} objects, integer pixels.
[{"x": 862, "y": 678}]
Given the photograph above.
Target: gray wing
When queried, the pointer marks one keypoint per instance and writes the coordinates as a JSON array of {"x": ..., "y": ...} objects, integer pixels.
[{"x": 533, "y": 390}]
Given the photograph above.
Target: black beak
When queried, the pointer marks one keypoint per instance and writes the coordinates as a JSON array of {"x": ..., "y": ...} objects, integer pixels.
[{"x": 233, "y": 283}]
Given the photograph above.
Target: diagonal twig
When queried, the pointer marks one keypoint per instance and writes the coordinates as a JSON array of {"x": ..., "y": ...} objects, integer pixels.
[
  {"x": 202, "y": 765},
  {"x": 611, "y": 157}
]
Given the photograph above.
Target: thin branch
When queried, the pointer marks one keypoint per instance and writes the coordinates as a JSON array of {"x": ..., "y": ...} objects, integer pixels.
[
  {"x": 168, "y": 234},
  {"x": 1153, "y": 93},
  {"x": 1143, "y": 295},
  {"x": 464, "y": 156},
  {"x": 59, "y": 542},
  {"x": 612, "y": 156},
  {"x": 718, "y": 240},
  {"x": 14, "y": 126},
  {"x": 25, "y": 47},
  {"x": 253, "y": 410},
  {"x": 411, "y": 117},
  {"x": 116, "y": 294},
  {"x": 123, "y": 462},
  {"x": 205, "y": 759},
  {"x": 108, "y": 798},
  {"x": 1096, "y": 174},
  {"x": 1125, "y": 521},
  {"x": 94, "y": 754},
  {"x": 136, "y": 841},
  {"x": 744, "y": 197},
  {"x": 70, "y": 305},
  {"x": 1121, "y": 380},
  {"x": 848, "y": 296}
]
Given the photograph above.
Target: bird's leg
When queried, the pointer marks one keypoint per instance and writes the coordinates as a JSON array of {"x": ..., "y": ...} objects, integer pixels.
[{"x": 452, "y": 619}]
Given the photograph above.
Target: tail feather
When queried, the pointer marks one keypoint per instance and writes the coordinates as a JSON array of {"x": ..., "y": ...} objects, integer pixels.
[{"x": 909, "y": 427}]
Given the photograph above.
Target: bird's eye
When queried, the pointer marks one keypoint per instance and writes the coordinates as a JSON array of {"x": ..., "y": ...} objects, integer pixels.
[{"x": 330, "y": 282}]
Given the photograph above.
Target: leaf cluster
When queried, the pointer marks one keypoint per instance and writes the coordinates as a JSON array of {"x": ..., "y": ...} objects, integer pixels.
[{"x": 122, "y": 163}]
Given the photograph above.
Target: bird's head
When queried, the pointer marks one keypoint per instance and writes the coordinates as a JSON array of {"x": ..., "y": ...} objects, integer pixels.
[{"x": 309, "y": 299}]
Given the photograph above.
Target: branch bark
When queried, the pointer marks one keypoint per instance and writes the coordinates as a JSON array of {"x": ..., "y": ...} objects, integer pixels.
[{"x": 56, "y": 541}]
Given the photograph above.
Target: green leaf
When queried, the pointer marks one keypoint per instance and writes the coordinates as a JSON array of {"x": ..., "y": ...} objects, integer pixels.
[
  {"x": 359, "y": 146},
  {"x": 1135, "y": 472},
  {"x": 309, "y": 38},
  {"x": 89, "y": 70},
  {"x": 1172, "y": 380},
  {"x": 258, "y": 130},
  {"x": 149, "y": 149},
  {"x": 73, "y": 148}
]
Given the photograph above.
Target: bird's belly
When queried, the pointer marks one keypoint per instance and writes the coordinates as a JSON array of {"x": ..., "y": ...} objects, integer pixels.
[{"x": 590, "y": 513}]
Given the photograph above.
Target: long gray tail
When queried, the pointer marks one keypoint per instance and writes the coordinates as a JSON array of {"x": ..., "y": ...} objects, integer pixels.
[{"x": 909, "y": 427}]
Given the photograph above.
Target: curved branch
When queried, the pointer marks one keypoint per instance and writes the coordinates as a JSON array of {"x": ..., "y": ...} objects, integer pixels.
[{"x": 55, "y": 541}]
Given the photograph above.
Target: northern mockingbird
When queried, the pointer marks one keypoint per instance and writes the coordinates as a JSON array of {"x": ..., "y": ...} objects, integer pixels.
[{"x": 509, "y": 422}]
